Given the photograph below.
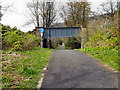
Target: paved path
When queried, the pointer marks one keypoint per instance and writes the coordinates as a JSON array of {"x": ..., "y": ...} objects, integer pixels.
[
  {"x": 62, "y": 47},
  {"x": 74, "y": 69}
]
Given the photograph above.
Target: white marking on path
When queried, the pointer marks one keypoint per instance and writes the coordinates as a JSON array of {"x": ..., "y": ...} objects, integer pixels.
[{"x": 42, "y": 77}]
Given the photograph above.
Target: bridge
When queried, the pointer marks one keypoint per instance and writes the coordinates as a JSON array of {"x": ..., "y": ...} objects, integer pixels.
[{"x": 59, "y": 33}]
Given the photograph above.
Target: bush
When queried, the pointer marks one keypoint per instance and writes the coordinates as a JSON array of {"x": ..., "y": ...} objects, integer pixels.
[
  {"x": 104, "y": 39},
  {"x": 17, "y": 40},
  {"x": 56, "y": 42},
  {"x": 71, "y": 43},
  {"x": 9, "y": 39},
  {"x": 30, "y": 41}
]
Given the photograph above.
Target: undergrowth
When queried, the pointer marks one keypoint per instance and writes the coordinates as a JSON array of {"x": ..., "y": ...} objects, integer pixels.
[
  {"x": 23, "y": 69},
  {"x": 109, "y": 56}
]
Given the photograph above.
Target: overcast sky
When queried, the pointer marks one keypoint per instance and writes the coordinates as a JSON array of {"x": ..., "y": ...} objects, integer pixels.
[{"x": 17, "y": 18}]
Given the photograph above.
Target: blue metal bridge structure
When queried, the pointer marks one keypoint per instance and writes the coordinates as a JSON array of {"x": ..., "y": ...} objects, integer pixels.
[{"x": 59, "y": 32}]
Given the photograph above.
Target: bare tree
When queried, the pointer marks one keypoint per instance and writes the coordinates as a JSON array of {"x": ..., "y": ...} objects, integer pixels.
[
  {"x": 6, "y": 8},
  {"x": 76, "y": 13},
  {"x": 109, "y": 8},
  {"x": 41, "y": 13},
  {"x": 0, "y": 13},
  {"x": 49, "y": 14},
  {"x": 33, "y": 17}
]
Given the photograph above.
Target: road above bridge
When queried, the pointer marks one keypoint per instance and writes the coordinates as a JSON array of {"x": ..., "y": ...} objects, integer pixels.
[{"x": 74, "y": 69}]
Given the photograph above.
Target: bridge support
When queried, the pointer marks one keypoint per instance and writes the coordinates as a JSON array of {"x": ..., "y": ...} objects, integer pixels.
[
  {"x": 45, "y": 43},
  {"x": 50, "y": 43}
]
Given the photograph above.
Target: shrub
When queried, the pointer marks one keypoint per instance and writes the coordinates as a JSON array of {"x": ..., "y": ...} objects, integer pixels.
[
  {"x": 9, "y": 39},
  {"x": 30, "y": 41},
  {"x": 17, "y": 40},
  {"x": 101, "y": 38}
]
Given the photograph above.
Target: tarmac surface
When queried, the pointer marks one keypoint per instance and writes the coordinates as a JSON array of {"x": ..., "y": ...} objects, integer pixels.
[{"x": 74, "y": 69}]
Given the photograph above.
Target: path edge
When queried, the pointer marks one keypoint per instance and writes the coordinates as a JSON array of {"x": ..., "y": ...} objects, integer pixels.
[
  {"x": 102, "y": 64},
  {"x": 44, "y": 71}
]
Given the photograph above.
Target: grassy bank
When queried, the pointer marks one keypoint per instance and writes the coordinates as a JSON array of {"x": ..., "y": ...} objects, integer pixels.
[
  {"x": 23, "y": 69},
  {"x": 65, "y": 47},
  {"x": 59, "y": 46},
  {"x": 109, "y": 56}
]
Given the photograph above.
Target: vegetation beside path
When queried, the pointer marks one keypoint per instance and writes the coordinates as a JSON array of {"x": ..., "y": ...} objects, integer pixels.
[
  {"x": 22, "y": 69},
  {"x": 22, "y": 58},
  {"x": 108, "y": 56},
  {"x": 59, "y": 46},
  {"x": 104, "y": 44}
]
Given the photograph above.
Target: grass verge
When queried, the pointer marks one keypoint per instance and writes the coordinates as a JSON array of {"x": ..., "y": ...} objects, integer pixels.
[
  {"x": 59, "y": 46},
  {"x": 65, "y": 47},
  {"x": 23, "y": 69},
  {"x": 109, "y": 56}
]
